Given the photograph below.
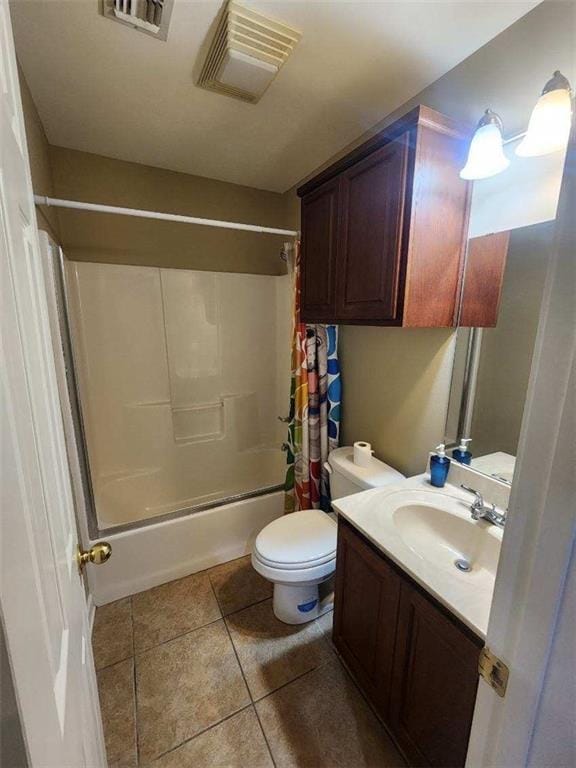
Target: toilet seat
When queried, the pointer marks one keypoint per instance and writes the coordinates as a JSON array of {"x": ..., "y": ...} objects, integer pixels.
[
  {"x": 299, "y": 540},
  {"x": 298, "y": 547}
]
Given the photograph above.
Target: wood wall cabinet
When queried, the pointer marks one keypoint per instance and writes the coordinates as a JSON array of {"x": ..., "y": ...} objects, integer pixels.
[
  {"x": 384, "y": 229},
  {"x": 416, "y": 662},
  {"x": 483, "y": 280}
]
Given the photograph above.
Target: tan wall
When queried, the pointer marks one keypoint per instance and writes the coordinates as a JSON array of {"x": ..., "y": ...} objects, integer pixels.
[
  {"x": 396, "y": 382},
  {"x": 126, "y": 240},
  {"x": 39, "y": 154},
  {"x": 64, "y": 173}
]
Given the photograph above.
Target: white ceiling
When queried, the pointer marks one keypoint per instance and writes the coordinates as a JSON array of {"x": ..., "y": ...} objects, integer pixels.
[{"x": 102, "y": 87}]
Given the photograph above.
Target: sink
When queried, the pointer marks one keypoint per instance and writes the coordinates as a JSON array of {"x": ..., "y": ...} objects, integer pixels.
[
  {"x": 430, "y": 534},
  {"x": 445, "y": 538}
]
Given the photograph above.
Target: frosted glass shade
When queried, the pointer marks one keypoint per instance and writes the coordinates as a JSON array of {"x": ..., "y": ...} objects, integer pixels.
[
  {"x": 549, "y": 126},
  {"x": 485, "y": 157}
]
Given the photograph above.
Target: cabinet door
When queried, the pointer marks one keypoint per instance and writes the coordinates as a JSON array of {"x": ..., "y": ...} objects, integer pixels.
[
  {"x": 319, "y": 248},
  {"x": 434, "y": 683},
  {"x": 483, "y": 280},
  {"x": 365, "y": 614},
  {"x": 370, "y": 261}
]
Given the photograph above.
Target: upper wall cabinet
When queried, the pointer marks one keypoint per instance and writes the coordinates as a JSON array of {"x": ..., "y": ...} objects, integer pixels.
[
  {"x": 484, "y": 279},
  {"x": 384, "y": 229}
]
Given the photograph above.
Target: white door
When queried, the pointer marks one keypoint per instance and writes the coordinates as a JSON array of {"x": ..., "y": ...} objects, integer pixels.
[{"x": 41, "y": 593}]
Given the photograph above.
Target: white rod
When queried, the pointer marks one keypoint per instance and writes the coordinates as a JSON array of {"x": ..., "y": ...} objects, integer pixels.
[
  {"x": 51, "y": 201},
  {"x": 516, "y": 137}
]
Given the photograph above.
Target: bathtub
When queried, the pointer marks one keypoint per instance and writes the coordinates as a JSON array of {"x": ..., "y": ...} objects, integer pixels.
[{"x": 146, "y": 556}]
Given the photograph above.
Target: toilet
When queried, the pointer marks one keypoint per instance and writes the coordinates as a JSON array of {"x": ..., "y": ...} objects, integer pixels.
[{"x": 297, "y": 552}]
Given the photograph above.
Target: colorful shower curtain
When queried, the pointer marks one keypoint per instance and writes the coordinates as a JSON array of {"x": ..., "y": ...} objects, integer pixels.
[{"x": 314, "y": 420}]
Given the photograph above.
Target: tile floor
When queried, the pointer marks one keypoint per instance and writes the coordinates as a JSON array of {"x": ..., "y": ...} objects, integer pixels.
[{"x": 199, "y": 672}]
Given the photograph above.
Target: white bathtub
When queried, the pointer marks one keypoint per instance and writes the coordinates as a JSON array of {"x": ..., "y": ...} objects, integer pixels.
[{"x": 159, "y": 552}]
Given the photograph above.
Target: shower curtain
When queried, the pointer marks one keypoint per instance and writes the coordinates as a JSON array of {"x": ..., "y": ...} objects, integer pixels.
[{"x": 314, "y": 420}]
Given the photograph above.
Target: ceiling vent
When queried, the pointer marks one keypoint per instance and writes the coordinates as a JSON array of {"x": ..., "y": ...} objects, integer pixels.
[
  {"x": 149, "y": 16},
  {"x": 246, "y": 53}
]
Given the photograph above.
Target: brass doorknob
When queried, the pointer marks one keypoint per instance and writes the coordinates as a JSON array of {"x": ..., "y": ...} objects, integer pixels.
[{"x": 97, "y": 554}]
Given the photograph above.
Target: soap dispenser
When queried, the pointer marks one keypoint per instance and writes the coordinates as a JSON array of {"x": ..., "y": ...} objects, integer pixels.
[
  {"x": 462, "y": 453},
  {"x": 439, "y": 466}
]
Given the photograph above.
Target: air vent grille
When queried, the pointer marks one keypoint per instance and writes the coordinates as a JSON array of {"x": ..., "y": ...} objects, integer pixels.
[
  {"x": 148, "y": 16},
  {"x": 246, "y": 53}
]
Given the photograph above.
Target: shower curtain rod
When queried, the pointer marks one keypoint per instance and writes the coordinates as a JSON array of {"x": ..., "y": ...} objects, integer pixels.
[{"x": 143, "y": 214}]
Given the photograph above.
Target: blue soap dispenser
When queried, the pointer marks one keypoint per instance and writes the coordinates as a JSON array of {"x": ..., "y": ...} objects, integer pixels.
[
  {"x": 462, "y": 453},
  {"x": 439, "y": 466}
]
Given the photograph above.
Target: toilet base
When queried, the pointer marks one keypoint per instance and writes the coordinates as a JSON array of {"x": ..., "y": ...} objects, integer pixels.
[{"x": 300, "y": 603}]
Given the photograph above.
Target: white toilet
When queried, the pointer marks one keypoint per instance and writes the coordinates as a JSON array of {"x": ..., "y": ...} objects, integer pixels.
[{"x": 297, "y": 552}]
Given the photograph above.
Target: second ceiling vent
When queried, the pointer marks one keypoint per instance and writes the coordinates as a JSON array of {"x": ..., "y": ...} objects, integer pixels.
[{"x": 246, "y": 53}]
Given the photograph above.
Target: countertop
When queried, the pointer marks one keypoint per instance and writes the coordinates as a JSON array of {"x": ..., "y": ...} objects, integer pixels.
[{"x": 467, "y": 595}]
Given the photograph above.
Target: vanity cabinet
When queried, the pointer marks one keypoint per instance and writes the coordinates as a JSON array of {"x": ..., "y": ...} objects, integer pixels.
[
  {"x": 367, "y": 595},
  {"x": 416, "y": 662},
  {"x": 384, "y": 229}
]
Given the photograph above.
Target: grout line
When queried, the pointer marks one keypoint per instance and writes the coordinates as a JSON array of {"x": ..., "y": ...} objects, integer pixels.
[
  {"x": 238, "y": 660},
  {"x": 113, "y": 663},
  {"x": 136, "y": 724},
  {"x": 250, "y": 605},
  {"x": 202, "y": 732},
  {"x": 294, "y": 679},
  {"x": 177, "y": 637},
  {"x": 264, "y": 735}
]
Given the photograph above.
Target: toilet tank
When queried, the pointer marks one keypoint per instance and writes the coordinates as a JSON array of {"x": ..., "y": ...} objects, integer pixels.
[{"x": 347, "y": 478}]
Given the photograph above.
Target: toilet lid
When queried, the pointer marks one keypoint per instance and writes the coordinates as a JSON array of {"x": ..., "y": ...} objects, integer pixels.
[{"x": 304, "y": 539}]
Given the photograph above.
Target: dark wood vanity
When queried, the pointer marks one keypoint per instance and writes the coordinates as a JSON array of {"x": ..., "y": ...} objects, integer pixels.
[
  {"x": 384, "y": 229},
  {"x": 416, "y": 662}
]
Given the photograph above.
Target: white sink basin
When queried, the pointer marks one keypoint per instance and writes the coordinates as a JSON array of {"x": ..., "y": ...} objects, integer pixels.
[
  {"x": 431, "y": 535},
  {"x": 447, "y": 540}
]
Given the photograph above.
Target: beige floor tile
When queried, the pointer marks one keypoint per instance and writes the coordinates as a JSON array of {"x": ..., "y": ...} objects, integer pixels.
[
  {"x": 237, "y": 585},
  {"x": 236, "y": 743},
  {"x": 112, "y": 635},
  {"x": 116, "y": 691},
  {"x": 273, "y": 653},
  {"x": 321, "y": 721},
  {"x": 172, "y": 609},
  {"x": 185, "y": 686},
  {"x": 325, "y": 623}
]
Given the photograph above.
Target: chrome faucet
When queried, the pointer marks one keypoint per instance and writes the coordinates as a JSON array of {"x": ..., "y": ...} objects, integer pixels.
[{"x": 480, "y": 511}]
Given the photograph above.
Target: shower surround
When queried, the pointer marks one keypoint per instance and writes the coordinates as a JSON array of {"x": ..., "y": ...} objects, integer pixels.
[{"x": 182, "y": 376}]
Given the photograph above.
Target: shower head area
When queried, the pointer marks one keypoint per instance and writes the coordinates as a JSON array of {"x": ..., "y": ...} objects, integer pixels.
[{"x": 177, "y": 413}]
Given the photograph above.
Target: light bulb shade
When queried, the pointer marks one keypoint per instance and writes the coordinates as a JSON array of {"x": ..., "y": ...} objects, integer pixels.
[
  {"x": 486, "y": 156},
  {"x": 549, "y": 126}
]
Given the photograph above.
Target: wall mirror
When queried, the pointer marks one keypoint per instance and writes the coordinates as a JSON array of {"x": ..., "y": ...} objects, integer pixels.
[{"x": 511, "y": 229}]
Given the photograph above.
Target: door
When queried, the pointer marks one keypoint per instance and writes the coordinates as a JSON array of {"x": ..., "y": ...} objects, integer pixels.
[
  {"x": 319, "y": 248},
  {"x": 434, "y": 683},
  {"x": 41, "y": 593},
  {"x": 366, "y": 606},
  {"x": 372, "y": 219}
]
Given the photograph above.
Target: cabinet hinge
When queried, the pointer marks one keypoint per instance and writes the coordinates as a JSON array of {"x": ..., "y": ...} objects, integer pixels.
[{"x": 494, "y": 671}]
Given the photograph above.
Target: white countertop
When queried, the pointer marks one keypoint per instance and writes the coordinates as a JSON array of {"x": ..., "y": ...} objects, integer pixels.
[{"x": 466, "y": 595}]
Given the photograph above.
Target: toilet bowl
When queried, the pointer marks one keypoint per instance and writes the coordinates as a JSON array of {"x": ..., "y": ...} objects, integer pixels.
[{"x": 297, "y": 552}]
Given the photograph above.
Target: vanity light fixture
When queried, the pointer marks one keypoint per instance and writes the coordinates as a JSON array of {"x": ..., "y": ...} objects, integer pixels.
[
  {"x": 486, "y": 156},
  {"x": 549, "y": 126}
]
